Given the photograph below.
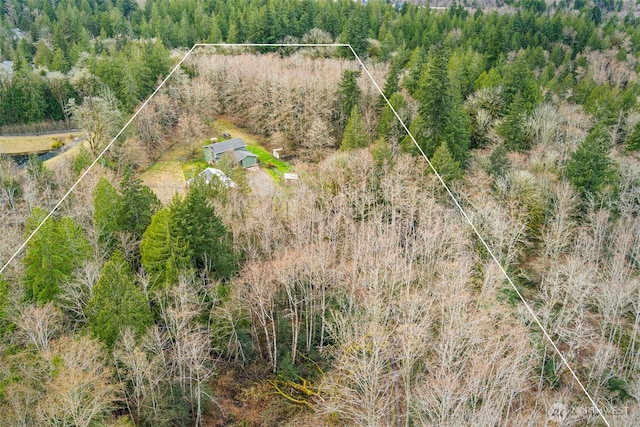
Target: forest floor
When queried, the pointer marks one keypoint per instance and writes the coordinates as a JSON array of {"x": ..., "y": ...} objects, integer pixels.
[{"x": 245, "y": 398}]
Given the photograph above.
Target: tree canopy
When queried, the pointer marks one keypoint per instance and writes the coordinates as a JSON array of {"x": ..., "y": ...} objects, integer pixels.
[
  {"x": 117, "y": 303},
  {"x": 52, "y": 255}
]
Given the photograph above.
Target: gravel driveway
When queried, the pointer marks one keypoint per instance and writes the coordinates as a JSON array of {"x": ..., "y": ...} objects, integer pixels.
[{"x": 261, "y": 182}]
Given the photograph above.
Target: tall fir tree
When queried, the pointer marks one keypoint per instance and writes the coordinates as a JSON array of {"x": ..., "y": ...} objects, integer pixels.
[
  {"x": 348, "y": 95},
  {"x": 117, "y": 303},
  {"x": 518, "y": 78},
  {"x": 355, "y": 135},
  {"x": 105, "y": 210},
  {"x": 590, "y": 169},
  {"x": 434, "y": 94},
  {"x": 204, "y": 232},
  {"x": 356, "y": 32},
  {"x": 28, "y": 96},
  {"x": 441, "y": 116},
  {"x": 389, "y": 127},
  {"x": 164, "y": 252},
  {"x": 136, "y": 205},
  {"x": 444, "y": 163},
  {"x": 512, "y": 128},
  {"x": 53, "y": 253},
  {"x": 417, "y": 64},
  {"x": 499, "y": 163},
  {"x": 457, "y": 132},
  {"x": 391, "y": 86}
]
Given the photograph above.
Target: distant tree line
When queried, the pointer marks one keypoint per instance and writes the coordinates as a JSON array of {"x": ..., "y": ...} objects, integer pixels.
[{"x": 41, "y": 37}]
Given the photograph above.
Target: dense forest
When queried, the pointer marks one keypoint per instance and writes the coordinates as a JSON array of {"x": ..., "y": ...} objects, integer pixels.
[
  {"x": 360, "y": 295},
  {"x": 125, "y": 47}
]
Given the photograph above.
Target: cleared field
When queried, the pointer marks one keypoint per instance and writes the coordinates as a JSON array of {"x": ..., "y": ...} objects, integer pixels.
[
  {"x": 222, "y": 125},
  {"x": 33, "y": 144},
  {"x": 165, "y": 178},
  {"x": 181, "y": 162}
]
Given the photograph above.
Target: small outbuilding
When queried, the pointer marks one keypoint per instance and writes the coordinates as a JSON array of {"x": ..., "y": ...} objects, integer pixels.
[
  {"x": 236, "y": 147},
  {"x": 211, "y": 173}
]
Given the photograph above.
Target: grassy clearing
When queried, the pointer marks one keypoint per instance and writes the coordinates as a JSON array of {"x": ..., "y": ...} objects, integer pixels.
[
  {"x": 222, "y": 125},
  {"x": 165, "y": 178},
  {"x": 63, "y": 157},
  {"x": 33, "y": 144},
  {"x": 164, "y": 167},
  {"x": 192, "y": 168},
  {"x": 268, "y": 160},
  {"x": 182, "y": 152},
  {"x": 163, "y": 173},
  {"x": 274, "y": 167}
]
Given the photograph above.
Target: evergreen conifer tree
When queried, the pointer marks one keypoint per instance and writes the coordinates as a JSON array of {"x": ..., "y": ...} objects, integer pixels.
[
  {"x": 348, "y": 94},
  {"x": 356, "y": 32},
  {"x": 499, "y": 162},
  {"x": 105, "y": 209},
  {"x": 136, "y": 205},
  {"x": 457, "y": 132},
  {"x": 441, "y": 116},
  {"x": 163, "y": 251},
  {"x": 199, "y": 225},
  {"x": 633, "y": 141},
  {"x": 416, "y": 65},
  {"x": 52, "y": 255},
  {"x": 448, "y": 168},
  {"x": 590, "y": 169},
  {"x": 389, "y": 127},
  {"x": 434, "y": 94},
  {"x": 355, "y": 135},
  {"x": 391, "y": 86},
  {"x": 512, "y": 128},
  {"x": 117, "y": 303}
]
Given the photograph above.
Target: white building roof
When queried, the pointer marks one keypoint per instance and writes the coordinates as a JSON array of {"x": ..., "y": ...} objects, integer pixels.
[{"x": 209, "y": 173}]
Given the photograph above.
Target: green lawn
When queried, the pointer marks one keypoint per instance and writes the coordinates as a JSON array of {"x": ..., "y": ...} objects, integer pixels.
[
  {"x": 274, "y": 167},
  {"x": 193, "y": 168}
]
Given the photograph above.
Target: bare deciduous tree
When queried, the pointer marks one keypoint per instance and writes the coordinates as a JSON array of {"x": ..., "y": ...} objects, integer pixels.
[
  {"x": 76, "y": 293},
  {"x": 39, "y": 324},
  {"x": 98, "y": 116},
  {"x": 83, "y": 391}
]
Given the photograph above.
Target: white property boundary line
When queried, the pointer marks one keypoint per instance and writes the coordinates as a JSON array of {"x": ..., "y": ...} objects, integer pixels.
[{"x": 446, "y": 187}]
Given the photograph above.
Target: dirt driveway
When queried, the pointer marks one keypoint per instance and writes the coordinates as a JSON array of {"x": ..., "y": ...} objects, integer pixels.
[{"x": 261, "y": 182}]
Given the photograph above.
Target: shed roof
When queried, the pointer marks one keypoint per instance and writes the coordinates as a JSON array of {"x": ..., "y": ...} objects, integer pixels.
[
  {"x": 228, "y": 145},
  {"x": 240, "y": 155}
]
